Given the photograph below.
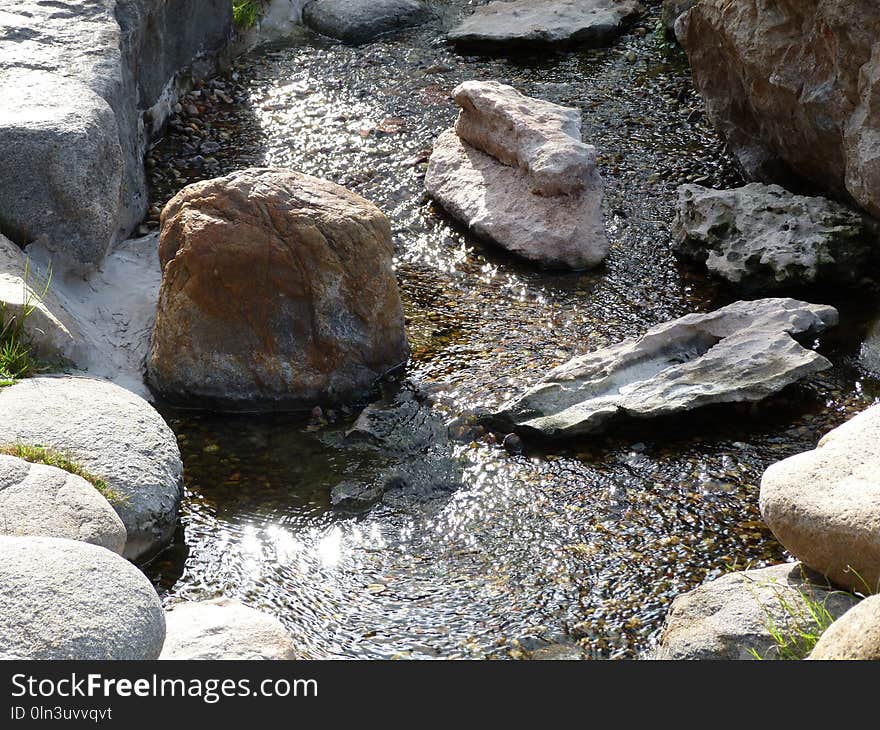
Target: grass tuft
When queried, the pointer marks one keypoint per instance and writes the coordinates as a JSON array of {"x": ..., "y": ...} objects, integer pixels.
[
  {"x": 16, "y": 358},
  {"x": 246, "y": 12},
  {"x": 50, "y": 457}
]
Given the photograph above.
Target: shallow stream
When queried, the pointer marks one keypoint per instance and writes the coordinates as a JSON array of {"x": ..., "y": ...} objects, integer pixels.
[{"x": 569, "y": 551}]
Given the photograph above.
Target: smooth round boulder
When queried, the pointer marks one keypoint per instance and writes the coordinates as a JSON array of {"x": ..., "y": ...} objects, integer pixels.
[
  {"x": 824, "y": 505},
  {"x": 224, "y": 629},
  {"x": 36, "y": 499},
  {"x": 63, "y": 599},
  {"x": 278, "y": 292},
  {"x": 854, "y": 636},
  {"x": 359, "y": 21},
  {"x": 112, "y": 433}
]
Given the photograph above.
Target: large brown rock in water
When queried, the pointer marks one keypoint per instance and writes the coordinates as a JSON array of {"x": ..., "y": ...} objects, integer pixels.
[
  {"x": 794, "y": 86},
  {"x": 278, "y": 292}
]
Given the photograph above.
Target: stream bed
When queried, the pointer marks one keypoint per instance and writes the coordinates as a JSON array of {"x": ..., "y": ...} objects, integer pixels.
[{"x": 568, "y": 551}]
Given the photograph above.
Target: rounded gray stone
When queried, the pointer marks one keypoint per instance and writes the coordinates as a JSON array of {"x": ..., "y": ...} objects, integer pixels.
[
  {"x": 46, "y": 501},
  {"x": 62, "y": 599}
]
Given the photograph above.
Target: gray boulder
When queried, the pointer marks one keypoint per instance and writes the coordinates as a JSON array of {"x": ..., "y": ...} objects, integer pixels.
[
  {"x": 545, "y": 22},
  {"x": 91, "y": 82},
  {"x": 114, "y": 434},
  {"x": 732, "y": 616},
  {"x": 46, "y": 501},
  {"x": 62, "y": 599},
  {"x": 763, "y": 238},
  {"x": 224, "y": 629},
  {"x": 359, "y": 21},
  {"x": 672, "y": 11},
  {"x": 743, "y": 352},
  {"x": 869, "y": 352},
  {"x": 824, "y": 505},
  {"x": 854, "y": 636}
]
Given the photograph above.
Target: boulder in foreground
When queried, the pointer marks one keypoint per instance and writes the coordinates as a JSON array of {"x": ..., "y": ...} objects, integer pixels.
[
  {"x": 62, "y": 599},
  {"x": 224, "y": 629},
  {"x": 732, "y": 616},
  {"x": 278, "y": 292},
  {"x": 854, "y": 636},
  {"x": 743, "y": 352},
  {"x": 824, "y": 505}
]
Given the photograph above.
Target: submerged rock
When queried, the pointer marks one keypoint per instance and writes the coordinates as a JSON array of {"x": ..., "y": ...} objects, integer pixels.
[
  {"x": 359, "y": 21},
  {"x": 733, "y": 616},
  {"x": 112, "y": 433},
  {"x": 824, "y": 505},
  {"x": 545, "y": 22},
  {"x": 743, "y": 352},
  {"x": 762, "y": 237},
  {"x": 278, "y": 292},
  {"x": 62, "y": 599},
  {"x": 793, "y": 87},
  {"x": 854, "y": 636},
  {"x": 533, "y": 187},
  {"x": 45, "y": 501},
  {"x": 224, "y": 629}
]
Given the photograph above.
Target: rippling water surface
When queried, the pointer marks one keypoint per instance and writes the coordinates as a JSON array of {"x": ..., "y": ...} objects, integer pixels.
[{"x": 599, "y": 534}]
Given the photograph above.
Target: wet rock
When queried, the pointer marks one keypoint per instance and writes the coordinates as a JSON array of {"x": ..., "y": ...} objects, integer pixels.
[
  {"x": 854, "y": 636},
  {"x": 42, "y": 500},
  {"x": 793, "y": 90},
  {"x": 545, "y": 22},
  {"x": 62, "y": 599},
  {"x": 277, "y": 292},
  {"x": 824, "y": 505},
  {"x": 224, "y": 629},
  {"x": 115, "y": 435},
  {"x": 512, "y": 443},
  {"x": 740, "y": 353},
  {"x": 359, "y": 21},
  {"x": 732, "y": 616},
  {"x": 542, "y": 138},
  {"x": 92, "y": 83},
  {"x": 537, "y": 147},
  {"x": 762, "y": 237},
  {"x": 355, "y": 496},
  {"x": 869, "y": 353}
]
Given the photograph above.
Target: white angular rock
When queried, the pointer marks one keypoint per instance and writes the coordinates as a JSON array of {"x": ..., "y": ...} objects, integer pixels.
[
  {"x": 740, "y": 353},
  {"x": 824, "y": 505},
  {"x": 732, "y": 616},
  {"x": 545, "y": 22},
  {"x": 854, "y": 636},
  {"x": 764, "y": 237},
  {"x": 224, "y": 629},
  {"x": 359, "y": 21},
  {"x": 116, "y": 436},
  {"x": 46, "y": 501},
  {"x": 62, "y": 599},
  {"x": 496, "y": 202},
  {"x": 542, "y": 138}
]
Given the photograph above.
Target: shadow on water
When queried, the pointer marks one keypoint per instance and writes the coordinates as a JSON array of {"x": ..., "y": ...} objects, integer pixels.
[{"x": 597, "y": 533}]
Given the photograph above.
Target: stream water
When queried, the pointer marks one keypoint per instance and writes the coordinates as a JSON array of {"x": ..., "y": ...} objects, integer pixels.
[{"x": 572, "y": 551}]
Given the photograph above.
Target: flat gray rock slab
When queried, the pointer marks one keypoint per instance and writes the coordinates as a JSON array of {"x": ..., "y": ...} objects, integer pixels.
[
  {"x": 743, "y": 352},
  {"x": 824, "y": 505},
  {"x": 224, "y": 629},
  {"x": 732, "y": 616},
  {"x": 62, "y": 599},
  {"x": 42, "y": 500},
  {"x": 359, "y": 21},
  {"x": 762, "y": 237},
  {"x": 545, "y": 22},
  {"x": 114, "y": 434}
]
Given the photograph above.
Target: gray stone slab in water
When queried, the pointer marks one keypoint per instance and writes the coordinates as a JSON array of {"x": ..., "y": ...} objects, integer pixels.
[
  {"x": 545, "y": 22},
  {"x": 742, "y": 352}
]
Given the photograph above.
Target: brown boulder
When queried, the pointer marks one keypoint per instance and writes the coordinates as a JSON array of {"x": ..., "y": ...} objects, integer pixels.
[
  {"x": 277, "y": 292},
  {"x": 793, "y": 86}
]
